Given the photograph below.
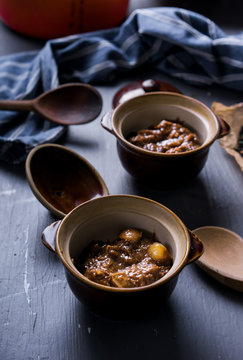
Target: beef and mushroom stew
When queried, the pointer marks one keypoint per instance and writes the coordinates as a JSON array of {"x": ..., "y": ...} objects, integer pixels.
[
  {"x": 166, "y": 137},
  {"x": 132, "y": 260}
]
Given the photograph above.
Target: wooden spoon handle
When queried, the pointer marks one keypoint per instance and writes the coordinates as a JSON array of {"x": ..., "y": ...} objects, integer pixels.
[{"x": 16, "y": 105}]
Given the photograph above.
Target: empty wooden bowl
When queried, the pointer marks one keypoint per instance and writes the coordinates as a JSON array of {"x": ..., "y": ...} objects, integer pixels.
[{"x": 62, "y": 179}]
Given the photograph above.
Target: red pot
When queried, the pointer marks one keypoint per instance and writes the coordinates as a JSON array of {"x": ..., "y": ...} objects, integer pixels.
[{"x": 55, "y": 18}]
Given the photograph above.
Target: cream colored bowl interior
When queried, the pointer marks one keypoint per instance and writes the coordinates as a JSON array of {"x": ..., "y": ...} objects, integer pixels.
[
  {"x": 103, "y": 219},
  {"x": 149, "y": 109}
]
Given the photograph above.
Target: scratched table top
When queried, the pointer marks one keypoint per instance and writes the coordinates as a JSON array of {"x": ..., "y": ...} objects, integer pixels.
[{"x": 41, "y": 318}]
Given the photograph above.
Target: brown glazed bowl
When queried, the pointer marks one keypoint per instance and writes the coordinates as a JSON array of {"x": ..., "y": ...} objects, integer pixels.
[
  {"x": 61, "y": 179},
  {"x": 149, "y": 109},
  {"x": 102, "y": 219}
]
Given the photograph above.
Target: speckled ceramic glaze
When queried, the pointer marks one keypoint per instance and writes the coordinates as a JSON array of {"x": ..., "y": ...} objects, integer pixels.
[
  {"x": 149, "y": 109},
  {"x": 102, "y": 219}
]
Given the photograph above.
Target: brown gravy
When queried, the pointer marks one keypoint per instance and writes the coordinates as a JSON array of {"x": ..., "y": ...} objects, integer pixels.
[
  {"x": 132, "y": 260},
  {"x": 166, "y": 137}
]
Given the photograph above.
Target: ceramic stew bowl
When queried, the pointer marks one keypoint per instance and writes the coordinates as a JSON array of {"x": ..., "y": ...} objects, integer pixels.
[
  {"x": 149, "y": 109},
  {"x": 102, "y": 219}
]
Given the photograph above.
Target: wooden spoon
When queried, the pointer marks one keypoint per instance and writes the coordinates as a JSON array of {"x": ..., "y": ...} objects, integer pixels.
[
  {"x": 61, "y": 179},
  {"x": 69, "y": 104},
  {"x": 223, "y": 254}
]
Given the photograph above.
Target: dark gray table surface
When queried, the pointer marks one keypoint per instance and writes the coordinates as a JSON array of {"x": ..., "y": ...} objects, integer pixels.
[{"x": 40, "y": 317}]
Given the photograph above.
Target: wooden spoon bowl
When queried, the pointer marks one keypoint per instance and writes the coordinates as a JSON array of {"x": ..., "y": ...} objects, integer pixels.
[
  {"x": 69, "y": 104},
  {"x": 222, "y": 257}
]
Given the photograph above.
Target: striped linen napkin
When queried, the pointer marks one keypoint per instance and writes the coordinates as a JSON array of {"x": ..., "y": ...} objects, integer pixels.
[{"x": 180, "y": 43}]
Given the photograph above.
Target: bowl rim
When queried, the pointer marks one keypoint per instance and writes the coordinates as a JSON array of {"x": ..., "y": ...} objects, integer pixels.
[
  {"x": 79, "y": 276},
  {"x": 158, "y": 154},
  {"x": 33, "y": 186}
]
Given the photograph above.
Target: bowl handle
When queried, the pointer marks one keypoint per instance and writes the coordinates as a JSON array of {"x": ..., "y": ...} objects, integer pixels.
[
  {"x": 106, "y": 121},
  {"x": 48, "y": 236},
  {"x": 224, "y": 128},
  {"x": 196, "y": 249}
]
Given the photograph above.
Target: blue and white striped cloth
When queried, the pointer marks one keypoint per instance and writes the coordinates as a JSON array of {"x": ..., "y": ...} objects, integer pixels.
[{"x": 174, "y": 41}]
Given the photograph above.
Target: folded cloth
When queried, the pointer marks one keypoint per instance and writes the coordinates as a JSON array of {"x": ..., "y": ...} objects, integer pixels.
[{"x": 174, "y": 41}]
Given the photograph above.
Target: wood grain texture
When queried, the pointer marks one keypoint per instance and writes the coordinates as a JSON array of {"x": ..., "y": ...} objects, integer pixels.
[
  {"x": 222, "y": 256},
  {"x": 41, "y": 319}
]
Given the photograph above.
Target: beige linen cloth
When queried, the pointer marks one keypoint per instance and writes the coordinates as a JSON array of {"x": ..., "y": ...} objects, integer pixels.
[{"x": 233, "y": 115}]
